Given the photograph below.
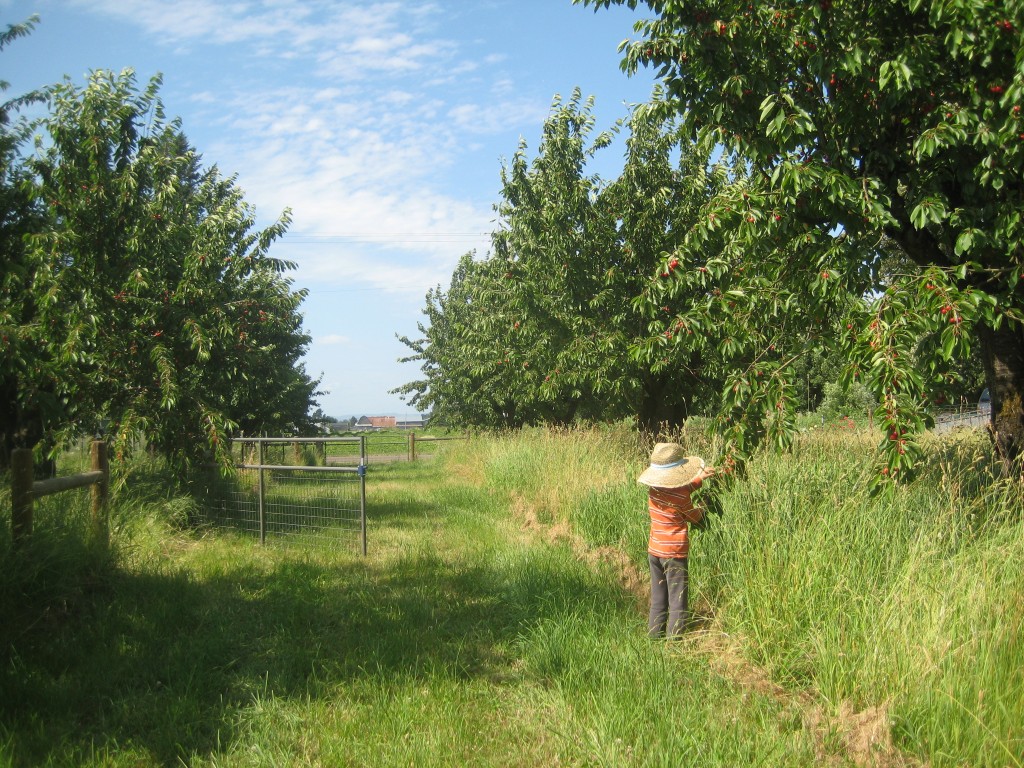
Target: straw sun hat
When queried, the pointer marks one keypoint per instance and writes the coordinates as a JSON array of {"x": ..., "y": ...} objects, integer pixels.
[{"x": 670, "y": 468}]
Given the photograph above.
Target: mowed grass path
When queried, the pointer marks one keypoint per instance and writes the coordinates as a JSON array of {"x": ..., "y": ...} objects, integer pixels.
[{"x": 462, "y": 639}]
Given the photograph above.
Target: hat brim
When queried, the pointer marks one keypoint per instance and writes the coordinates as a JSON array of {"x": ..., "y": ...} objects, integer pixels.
[{"x": 672, "y": 477}]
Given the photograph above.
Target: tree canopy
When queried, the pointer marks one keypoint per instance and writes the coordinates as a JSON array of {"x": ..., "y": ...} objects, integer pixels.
[
  {"x": 547, "y": 328},
  {"x": 868, "y": 128},
  {"x": 140, "y": 297}
]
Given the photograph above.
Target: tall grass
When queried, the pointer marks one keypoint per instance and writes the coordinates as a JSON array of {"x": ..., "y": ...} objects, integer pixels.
[
  {"x": 468, "y": 638},
  {"x": 911, "y": 599}
]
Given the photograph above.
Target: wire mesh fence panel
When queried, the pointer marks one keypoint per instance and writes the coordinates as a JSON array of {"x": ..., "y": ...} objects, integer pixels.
[
  {"x": 286, "y": 490},
  {"x": 229, "y": 502},
  {"x": 301, "y": 503}
]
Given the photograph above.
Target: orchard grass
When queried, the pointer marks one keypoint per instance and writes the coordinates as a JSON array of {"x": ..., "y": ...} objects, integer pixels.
[
  {"x": 468, "y": 636},
  {"x": 911, "y": 600},
  {"x": 462, "y": 639}
]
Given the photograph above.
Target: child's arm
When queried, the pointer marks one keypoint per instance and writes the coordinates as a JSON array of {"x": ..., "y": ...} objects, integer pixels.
[{"x": 697, "y": 513}]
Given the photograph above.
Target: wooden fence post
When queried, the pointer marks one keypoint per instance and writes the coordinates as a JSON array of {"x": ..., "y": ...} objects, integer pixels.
[
  {"x": 412, "y": 446},
  {"x": 100, "y": 492},
  {"x": 21, "y": 494}
]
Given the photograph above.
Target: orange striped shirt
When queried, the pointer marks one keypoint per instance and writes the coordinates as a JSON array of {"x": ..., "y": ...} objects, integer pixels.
[{"x": 671, "y": 513}]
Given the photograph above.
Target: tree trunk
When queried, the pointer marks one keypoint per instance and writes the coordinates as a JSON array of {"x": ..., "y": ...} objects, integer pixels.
[
  {"x": 1002, "y": 354},
  {"x": 17, "y": 428},
  {"x": 661, "y": 403}
]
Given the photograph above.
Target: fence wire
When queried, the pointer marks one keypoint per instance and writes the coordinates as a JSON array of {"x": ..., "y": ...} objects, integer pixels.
[{"x": 293, "y": 494}]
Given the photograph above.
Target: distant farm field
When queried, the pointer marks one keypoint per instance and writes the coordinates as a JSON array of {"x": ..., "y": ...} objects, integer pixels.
[{"x": 499, "y": 619}]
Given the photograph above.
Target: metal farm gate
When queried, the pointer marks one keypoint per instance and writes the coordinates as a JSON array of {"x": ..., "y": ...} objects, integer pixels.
[{"x": 296, "y": 489}]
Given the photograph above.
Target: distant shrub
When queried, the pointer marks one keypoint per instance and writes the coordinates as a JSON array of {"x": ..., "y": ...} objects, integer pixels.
[{"x": 854, "y": 402}]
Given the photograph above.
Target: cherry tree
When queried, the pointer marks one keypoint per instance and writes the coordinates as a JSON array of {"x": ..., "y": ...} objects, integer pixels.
[
  {"x": 157, "y": 307},
  {"x": 548, "y": 327},
  {"x": 869, "y": 128}
]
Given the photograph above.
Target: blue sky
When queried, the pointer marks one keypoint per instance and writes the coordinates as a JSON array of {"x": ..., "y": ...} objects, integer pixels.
[{"x": 381, "y": 125}]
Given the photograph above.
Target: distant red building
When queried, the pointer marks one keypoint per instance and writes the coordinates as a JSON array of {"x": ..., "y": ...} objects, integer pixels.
[{"x": 376, "y": 422}]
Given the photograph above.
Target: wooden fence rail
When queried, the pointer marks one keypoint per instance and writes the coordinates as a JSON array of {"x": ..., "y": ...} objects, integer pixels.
[
  {"x": 25, "y": 490},
  {"x": 413, "y": 440}
]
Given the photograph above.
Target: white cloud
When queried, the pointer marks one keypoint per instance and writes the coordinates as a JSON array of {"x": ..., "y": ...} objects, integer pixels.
[
  {"x": 481, "y": 118},
  {"x": 371, "y": 171},
  {"x": 358, "y": 149},
  {"x": 332, "y": 339},
  {"x": 350, "y": 40}
]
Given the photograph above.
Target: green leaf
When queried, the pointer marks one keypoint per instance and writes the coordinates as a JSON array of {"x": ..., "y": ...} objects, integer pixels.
[{"x": 964, "y": 242}]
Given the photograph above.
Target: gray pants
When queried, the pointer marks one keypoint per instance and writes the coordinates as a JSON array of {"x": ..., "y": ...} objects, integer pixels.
[{"x": 669, "y": 594}]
